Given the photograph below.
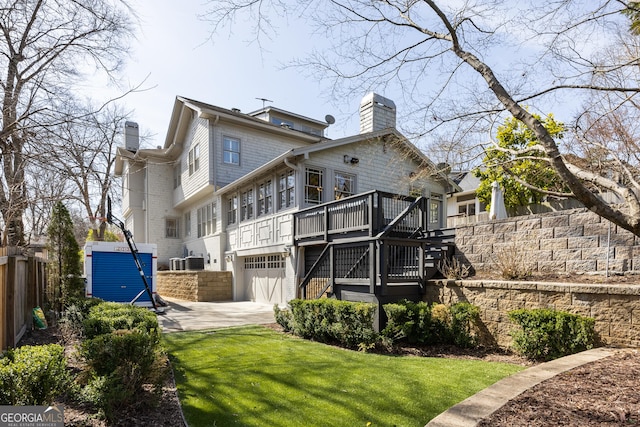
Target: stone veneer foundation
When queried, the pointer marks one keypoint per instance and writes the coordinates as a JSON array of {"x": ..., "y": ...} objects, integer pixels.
[
  {"x": 201, "y": 285},
  {"x": 616, "y": 308}
]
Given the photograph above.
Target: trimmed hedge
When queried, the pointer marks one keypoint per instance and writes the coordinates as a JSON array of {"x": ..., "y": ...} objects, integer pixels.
[
  {"x": 108, "y": 317},
  {"x": 328, "y": 320},
  {"x": 33, "y": 375},
  {"x": 419, "y": 322},
  {"x": 547, "y": 334},
  {"x": 123, "y": 353},
  {"x": 350, "y": 324}
]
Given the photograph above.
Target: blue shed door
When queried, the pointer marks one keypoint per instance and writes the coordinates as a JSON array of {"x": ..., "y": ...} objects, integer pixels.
[{"x": 115, "y": 276}]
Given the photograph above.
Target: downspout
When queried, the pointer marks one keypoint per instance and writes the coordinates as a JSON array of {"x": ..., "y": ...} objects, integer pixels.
[
  {"x": 146, "y": 200},
  {"x": 298, "y": 251},
  {"x": 212, "y": 155},
  {"x": 291, "y": 165}
]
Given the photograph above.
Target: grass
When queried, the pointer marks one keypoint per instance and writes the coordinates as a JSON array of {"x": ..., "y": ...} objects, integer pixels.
[{"x": 254, "y": 376}]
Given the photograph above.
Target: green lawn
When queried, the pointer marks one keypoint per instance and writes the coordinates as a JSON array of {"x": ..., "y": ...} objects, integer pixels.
[{"x": 253, "y": 376}]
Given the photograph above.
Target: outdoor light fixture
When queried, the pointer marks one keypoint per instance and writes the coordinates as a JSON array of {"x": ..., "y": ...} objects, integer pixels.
[{"x": 349, "y": 159}]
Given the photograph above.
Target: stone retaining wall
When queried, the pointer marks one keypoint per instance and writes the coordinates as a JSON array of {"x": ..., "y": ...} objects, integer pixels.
[
  {"x": 616, "y": 308},
  {"x": 575, "y": 240},
  {"x": 196, "y": 285}
]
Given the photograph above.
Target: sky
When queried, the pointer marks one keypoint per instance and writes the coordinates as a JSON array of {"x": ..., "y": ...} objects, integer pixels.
[{"x": 174, "y": 55}]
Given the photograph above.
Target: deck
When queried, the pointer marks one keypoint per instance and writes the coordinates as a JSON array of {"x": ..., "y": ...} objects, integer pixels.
[{"x": 374, "y": 243}]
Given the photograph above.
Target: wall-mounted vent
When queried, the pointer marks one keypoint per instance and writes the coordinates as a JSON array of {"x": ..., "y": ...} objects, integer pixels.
[{"x": 131, "y": 137}]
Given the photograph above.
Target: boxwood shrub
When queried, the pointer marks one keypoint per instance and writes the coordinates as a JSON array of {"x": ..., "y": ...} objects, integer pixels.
[
  {"x": 107, "y": 317},
  {"x": 328, "y": 320},
  {"x": 123, "y": 353},
  {"x": 546, "y": 334},
  {"x": 419, "y": 322},
  {"x": 33, "y": 375}
]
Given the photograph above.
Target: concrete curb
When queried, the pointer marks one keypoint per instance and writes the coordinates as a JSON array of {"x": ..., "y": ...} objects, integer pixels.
[{"x": 482, "y": 404}]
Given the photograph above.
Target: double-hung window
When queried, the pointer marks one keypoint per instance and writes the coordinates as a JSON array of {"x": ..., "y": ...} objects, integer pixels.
[
  {"x": 265, "y": 198},
  {"x": 207, "y": 220},
  {"x": 232, "y": 210},
  {"x": 313, "y": 186},
  {"x": 286, "y": 190},
  {"x": 194, "y": 159},
  {"x": 246, "y": 205},
  {"x": 171, "y": 228},
  {"x": 344, "y": 185},
  {"x": 231, "y": 151}
]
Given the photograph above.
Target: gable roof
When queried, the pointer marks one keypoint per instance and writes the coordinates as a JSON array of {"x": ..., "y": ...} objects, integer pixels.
[
  {"x": 389, "y": 133},
  {"x": 179, "y": 126}
]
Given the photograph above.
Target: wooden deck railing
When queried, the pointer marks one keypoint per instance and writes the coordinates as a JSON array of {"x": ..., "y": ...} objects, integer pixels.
[
  {"x": 372, "y": 262},
  {"x": 368, "y": 213}
]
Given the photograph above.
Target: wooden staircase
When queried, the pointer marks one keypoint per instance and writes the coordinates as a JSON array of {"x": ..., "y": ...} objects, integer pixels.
[{"x": 379, "y": 257}]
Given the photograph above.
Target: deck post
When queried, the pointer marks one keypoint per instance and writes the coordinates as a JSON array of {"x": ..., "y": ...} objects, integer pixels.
[
  {"x": 326, "y": 223},
  {"x": 421, "y": 269},
  {"x": 381, "y": 260},
  {"x": 372, "y": 267},
  {"x": 373, "y": 218}
]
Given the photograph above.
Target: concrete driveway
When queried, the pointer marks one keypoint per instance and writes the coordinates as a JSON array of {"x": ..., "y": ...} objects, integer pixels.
[{"x": 192, "y": 316}]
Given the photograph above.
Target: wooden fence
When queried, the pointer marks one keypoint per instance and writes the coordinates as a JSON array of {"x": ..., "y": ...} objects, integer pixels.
[{"x": 22, "y": 287}]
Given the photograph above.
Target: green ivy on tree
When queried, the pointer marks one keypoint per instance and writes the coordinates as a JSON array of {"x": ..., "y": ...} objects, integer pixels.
[
  {"x": 633, "y": 13},
  {"x": 519, "y": 161},
  {"x": 109, "y": 236},
  {"x": 65, "y": 268}
]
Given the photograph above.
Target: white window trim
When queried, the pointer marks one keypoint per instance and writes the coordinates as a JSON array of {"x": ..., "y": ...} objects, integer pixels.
[
  {"x": 176, "y": 229},
  {"x": 224, "y": 150}
]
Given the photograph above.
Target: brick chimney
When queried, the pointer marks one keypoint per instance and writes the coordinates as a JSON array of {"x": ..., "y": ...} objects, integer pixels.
[{"x": 376, "y": 113}]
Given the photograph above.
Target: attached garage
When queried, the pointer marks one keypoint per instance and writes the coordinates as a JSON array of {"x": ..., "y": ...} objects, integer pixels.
[{"x": 264, "y": 279}]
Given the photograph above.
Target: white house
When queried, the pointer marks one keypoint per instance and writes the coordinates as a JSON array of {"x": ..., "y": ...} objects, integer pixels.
[
  {"x": 463, "y": 207},
  {"x": 226, "y": 184}
]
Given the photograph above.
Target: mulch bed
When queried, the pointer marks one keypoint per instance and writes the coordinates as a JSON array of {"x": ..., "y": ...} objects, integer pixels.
[{"x": 602, "y": 393}]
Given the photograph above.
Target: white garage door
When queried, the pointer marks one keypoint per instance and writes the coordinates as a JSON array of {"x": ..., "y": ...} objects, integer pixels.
[{"x": 264, "y": 278}]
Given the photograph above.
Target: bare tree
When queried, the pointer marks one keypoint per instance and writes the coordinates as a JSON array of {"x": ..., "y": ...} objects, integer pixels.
[
  {"x": 469, "y": 63},
  {"x": 47, "y": 46},
  {"x": 82, "y": 152}
]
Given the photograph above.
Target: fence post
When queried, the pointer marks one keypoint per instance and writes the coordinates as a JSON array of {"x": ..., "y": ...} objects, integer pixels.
[{"x": 10, "y": 307}]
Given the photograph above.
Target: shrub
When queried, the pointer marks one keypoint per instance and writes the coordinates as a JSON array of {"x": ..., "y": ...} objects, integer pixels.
[
  {"x": 464, "y": 321},
  {"x": 122, "y": 387},
  {"x": 123, "y": 353},
  {"x": 72, "y": 321},
  {"x": 326, "y": 320},
  {"x": 283, "y": 317},
  {"x": 105, "y": 353},
  {"x": 453, "y": 268},
  {"x": 547, "y": 334},
  {"x": 111, "y": 316},
  {"x": 513, "y": 262},
  {"x": 33, "y": 375},
  {"x": 408, "y": 320},
  {"x": 435, "y": 324}
]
